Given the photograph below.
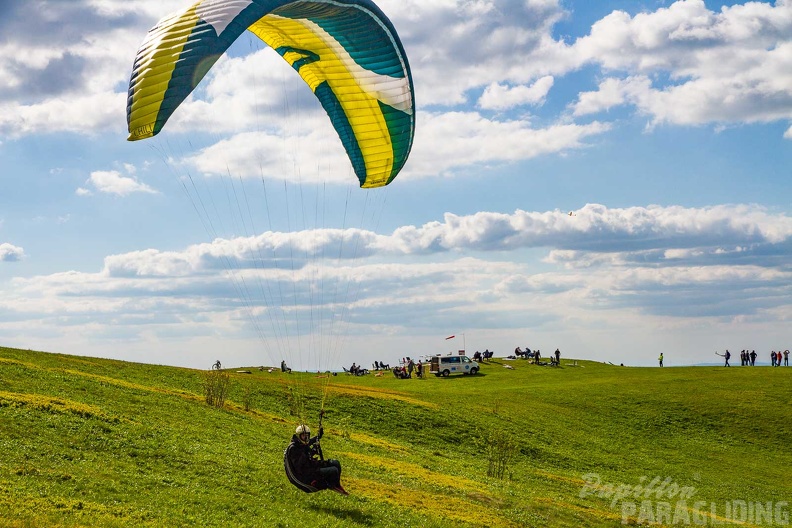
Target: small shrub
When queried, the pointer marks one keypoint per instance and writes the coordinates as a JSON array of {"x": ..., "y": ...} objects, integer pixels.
[
  {"x": 500, "y": 449},
  {"x": 344, "y": 426},
  {"x": 296, "y": 402},
  {"x": 247, "y": 398},
  {"x": 216, "y": 385}
]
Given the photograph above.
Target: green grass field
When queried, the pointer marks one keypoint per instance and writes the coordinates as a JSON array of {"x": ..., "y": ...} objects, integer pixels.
[{"x": 96, "y": 442}]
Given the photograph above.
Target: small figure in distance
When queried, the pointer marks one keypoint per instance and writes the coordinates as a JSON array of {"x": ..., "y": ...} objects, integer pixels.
[
  {"x": 660, "y": 359},
  {"x": 726, "y": 356}
]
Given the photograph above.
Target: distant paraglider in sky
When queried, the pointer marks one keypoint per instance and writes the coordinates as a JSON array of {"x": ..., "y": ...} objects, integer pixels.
[{"x": 347, "y": 51}]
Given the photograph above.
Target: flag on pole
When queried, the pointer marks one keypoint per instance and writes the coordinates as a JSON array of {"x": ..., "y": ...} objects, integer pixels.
[{"x": 450, "y": 337}]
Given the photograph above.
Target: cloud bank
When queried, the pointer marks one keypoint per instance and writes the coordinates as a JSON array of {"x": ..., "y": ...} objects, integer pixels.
[{"x": 723, "y": 260}]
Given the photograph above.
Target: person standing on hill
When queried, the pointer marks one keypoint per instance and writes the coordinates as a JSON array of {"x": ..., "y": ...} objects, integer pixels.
[
  {"x": 558, "y": 357},
  {"x": 753, "y": 357},
  {"x": 726, "y": 356},
  {"x": 660, "y": 359},
  {"x": 772, "y": 358},
  {"x": 786, "y": 358}
]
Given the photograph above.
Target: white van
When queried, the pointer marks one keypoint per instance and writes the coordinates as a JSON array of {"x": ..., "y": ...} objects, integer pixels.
[{"x": 446, "y": 365}]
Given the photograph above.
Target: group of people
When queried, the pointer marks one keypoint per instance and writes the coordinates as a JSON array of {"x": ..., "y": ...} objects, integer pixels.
[
  {"x": 776, "y": 362},
  {"x": 483, "y": 356},
  {"x": 536, "y": 355},
  {"x": 748, "y": 359},
  {"x": 525, "y": 354},
  {"x": 357, "y": 370},
  {"x": 406, "y": 368}
]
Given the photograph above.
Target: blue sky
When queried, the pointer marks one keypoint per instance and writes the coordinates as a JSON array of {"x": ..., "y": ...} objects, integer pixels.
[{"x": 664, "y": 127}]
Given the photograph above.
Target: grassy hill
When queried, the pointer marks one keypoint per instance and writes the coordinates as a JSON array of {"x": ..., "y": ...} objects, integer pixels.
[{"x": 96, "y": 442}]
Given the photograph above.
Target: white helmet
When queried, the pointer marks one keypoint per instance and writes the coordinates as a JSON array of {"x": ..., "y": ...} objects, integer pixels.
[{"x": 302, "y": 428}]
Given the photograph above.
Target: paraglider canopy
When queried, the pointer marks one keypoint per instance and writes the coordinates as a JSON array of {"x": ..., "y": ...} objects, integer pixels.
[{"x": 347, "y": 51}]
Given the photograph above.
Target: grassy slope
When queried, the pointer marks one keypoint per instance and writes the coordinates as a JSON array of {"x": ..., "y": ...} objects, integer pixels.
[{"x": 94, "y": 442}]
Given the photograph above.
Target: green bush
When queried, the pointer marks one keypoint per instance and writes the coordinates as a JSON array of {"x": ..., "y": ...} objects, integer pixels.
[{"x": 216, "y": 383}]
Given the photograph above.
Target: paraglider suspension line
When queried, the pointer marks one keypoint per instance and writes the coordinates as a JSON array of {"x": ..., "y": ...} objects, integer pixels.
[{"x": 319, "y": 440}]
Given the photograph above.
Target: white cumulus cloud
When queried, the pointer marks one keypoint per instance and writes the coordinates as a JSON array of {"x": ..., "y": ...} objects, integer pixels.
[
  {"x": 11, "y": 253},
  {"x": 112, "y": 182},
  {"x": 499, "y": 96},
  {"x": 688, "y": 65}
]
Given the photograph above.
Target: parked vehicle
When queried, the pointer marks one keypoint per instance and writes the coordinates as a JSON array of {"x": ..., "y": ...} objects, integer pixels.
[{"x": 447, "y": 365}]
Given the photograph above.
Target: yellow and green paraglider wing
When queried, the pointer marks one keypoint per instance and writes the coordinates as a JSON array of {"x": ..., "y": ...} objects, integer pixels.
[{"x": 347, "y": 51}]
